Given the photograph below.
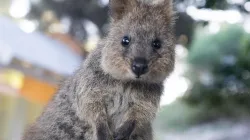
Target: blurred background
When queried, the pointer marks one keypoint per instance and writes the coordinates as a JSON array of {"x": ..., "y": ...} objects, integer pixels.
[{"x": 206, "y": 98}]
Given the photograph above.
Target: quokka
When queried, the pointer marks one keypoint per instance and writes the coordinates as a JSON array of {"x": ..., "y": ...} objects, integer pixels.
[{"x": 116, "y": 92}]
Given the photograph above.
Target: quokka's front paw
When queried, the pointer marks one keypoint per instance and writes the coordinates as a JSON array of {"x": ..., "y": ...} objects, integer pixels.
[{"x": 125, "y": 131}]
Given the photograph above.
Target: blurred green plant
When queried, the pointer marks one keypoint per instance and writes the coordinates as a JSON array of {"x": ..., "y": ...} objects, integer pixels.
[
  {"x": 220, "y": 81},
  {"x": 220, "y": 72},
  {"x": 176, "y": 116}
]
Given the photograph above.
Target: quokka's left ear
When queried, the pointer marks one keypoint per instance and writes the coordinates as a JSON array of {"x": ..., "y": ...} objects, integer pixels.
[
  {"x": 166, "y": 6},
  {"x": 118, "y": 8}
]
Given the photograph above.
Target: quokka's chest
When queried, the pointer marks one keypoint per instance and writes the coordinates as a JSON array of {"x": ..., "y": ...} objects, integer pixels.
[
  {"x": 117, "y": 106},
  {"x": 118, "y": 103}
]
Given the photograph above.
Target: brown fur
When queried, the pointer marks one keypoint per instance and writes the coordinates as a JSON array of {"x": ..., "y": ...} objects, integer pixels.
[{"x": 104, "y": 100}]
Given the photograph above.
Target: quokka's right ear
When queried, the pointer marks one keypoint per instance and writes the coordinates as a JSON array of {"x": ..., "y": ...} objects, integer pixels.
[{"x": 118, "y": 8}]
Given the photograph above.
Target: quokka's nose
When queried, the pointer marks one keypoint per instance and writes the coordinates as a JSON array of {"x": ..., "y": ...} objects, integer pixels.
[{"x": 140, "y": 66}]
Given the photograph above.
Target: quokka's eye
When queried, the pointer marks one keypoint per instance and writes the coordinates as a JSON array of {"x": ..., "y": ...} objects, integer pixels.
[
  {"x": 156, "y": 44},
  {"x": 125, "y": 41}
]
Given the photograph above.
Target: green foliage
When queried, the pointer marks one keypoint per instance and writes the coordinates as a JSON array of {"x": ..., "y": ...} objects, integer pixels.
[
  {"x": 178, "y": 116},
  {"x": 220, "y": 77},
  {"x": 216, "y": 4},
  {"x": 220, "y": 71}
]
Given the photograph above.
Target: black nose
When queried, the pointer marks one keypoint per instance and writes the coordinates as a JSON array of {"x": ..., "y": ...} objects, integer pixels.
[{"x": 140, "y": 66}]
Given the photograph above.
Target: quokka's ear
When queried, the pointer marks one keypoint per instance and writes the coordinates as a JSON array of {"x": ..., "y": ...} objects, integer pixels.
[
  {"x": 164, "y": 5},
  {"x": 118, "y": 8},
  {"x": 169, "y": 9},
  {"x": 168, "y": 5}
]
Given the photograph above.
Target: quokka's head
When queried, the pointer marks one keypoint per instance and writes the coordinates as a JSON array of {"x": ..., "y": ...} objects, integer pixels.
[{"x": 140, "y": 42}]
